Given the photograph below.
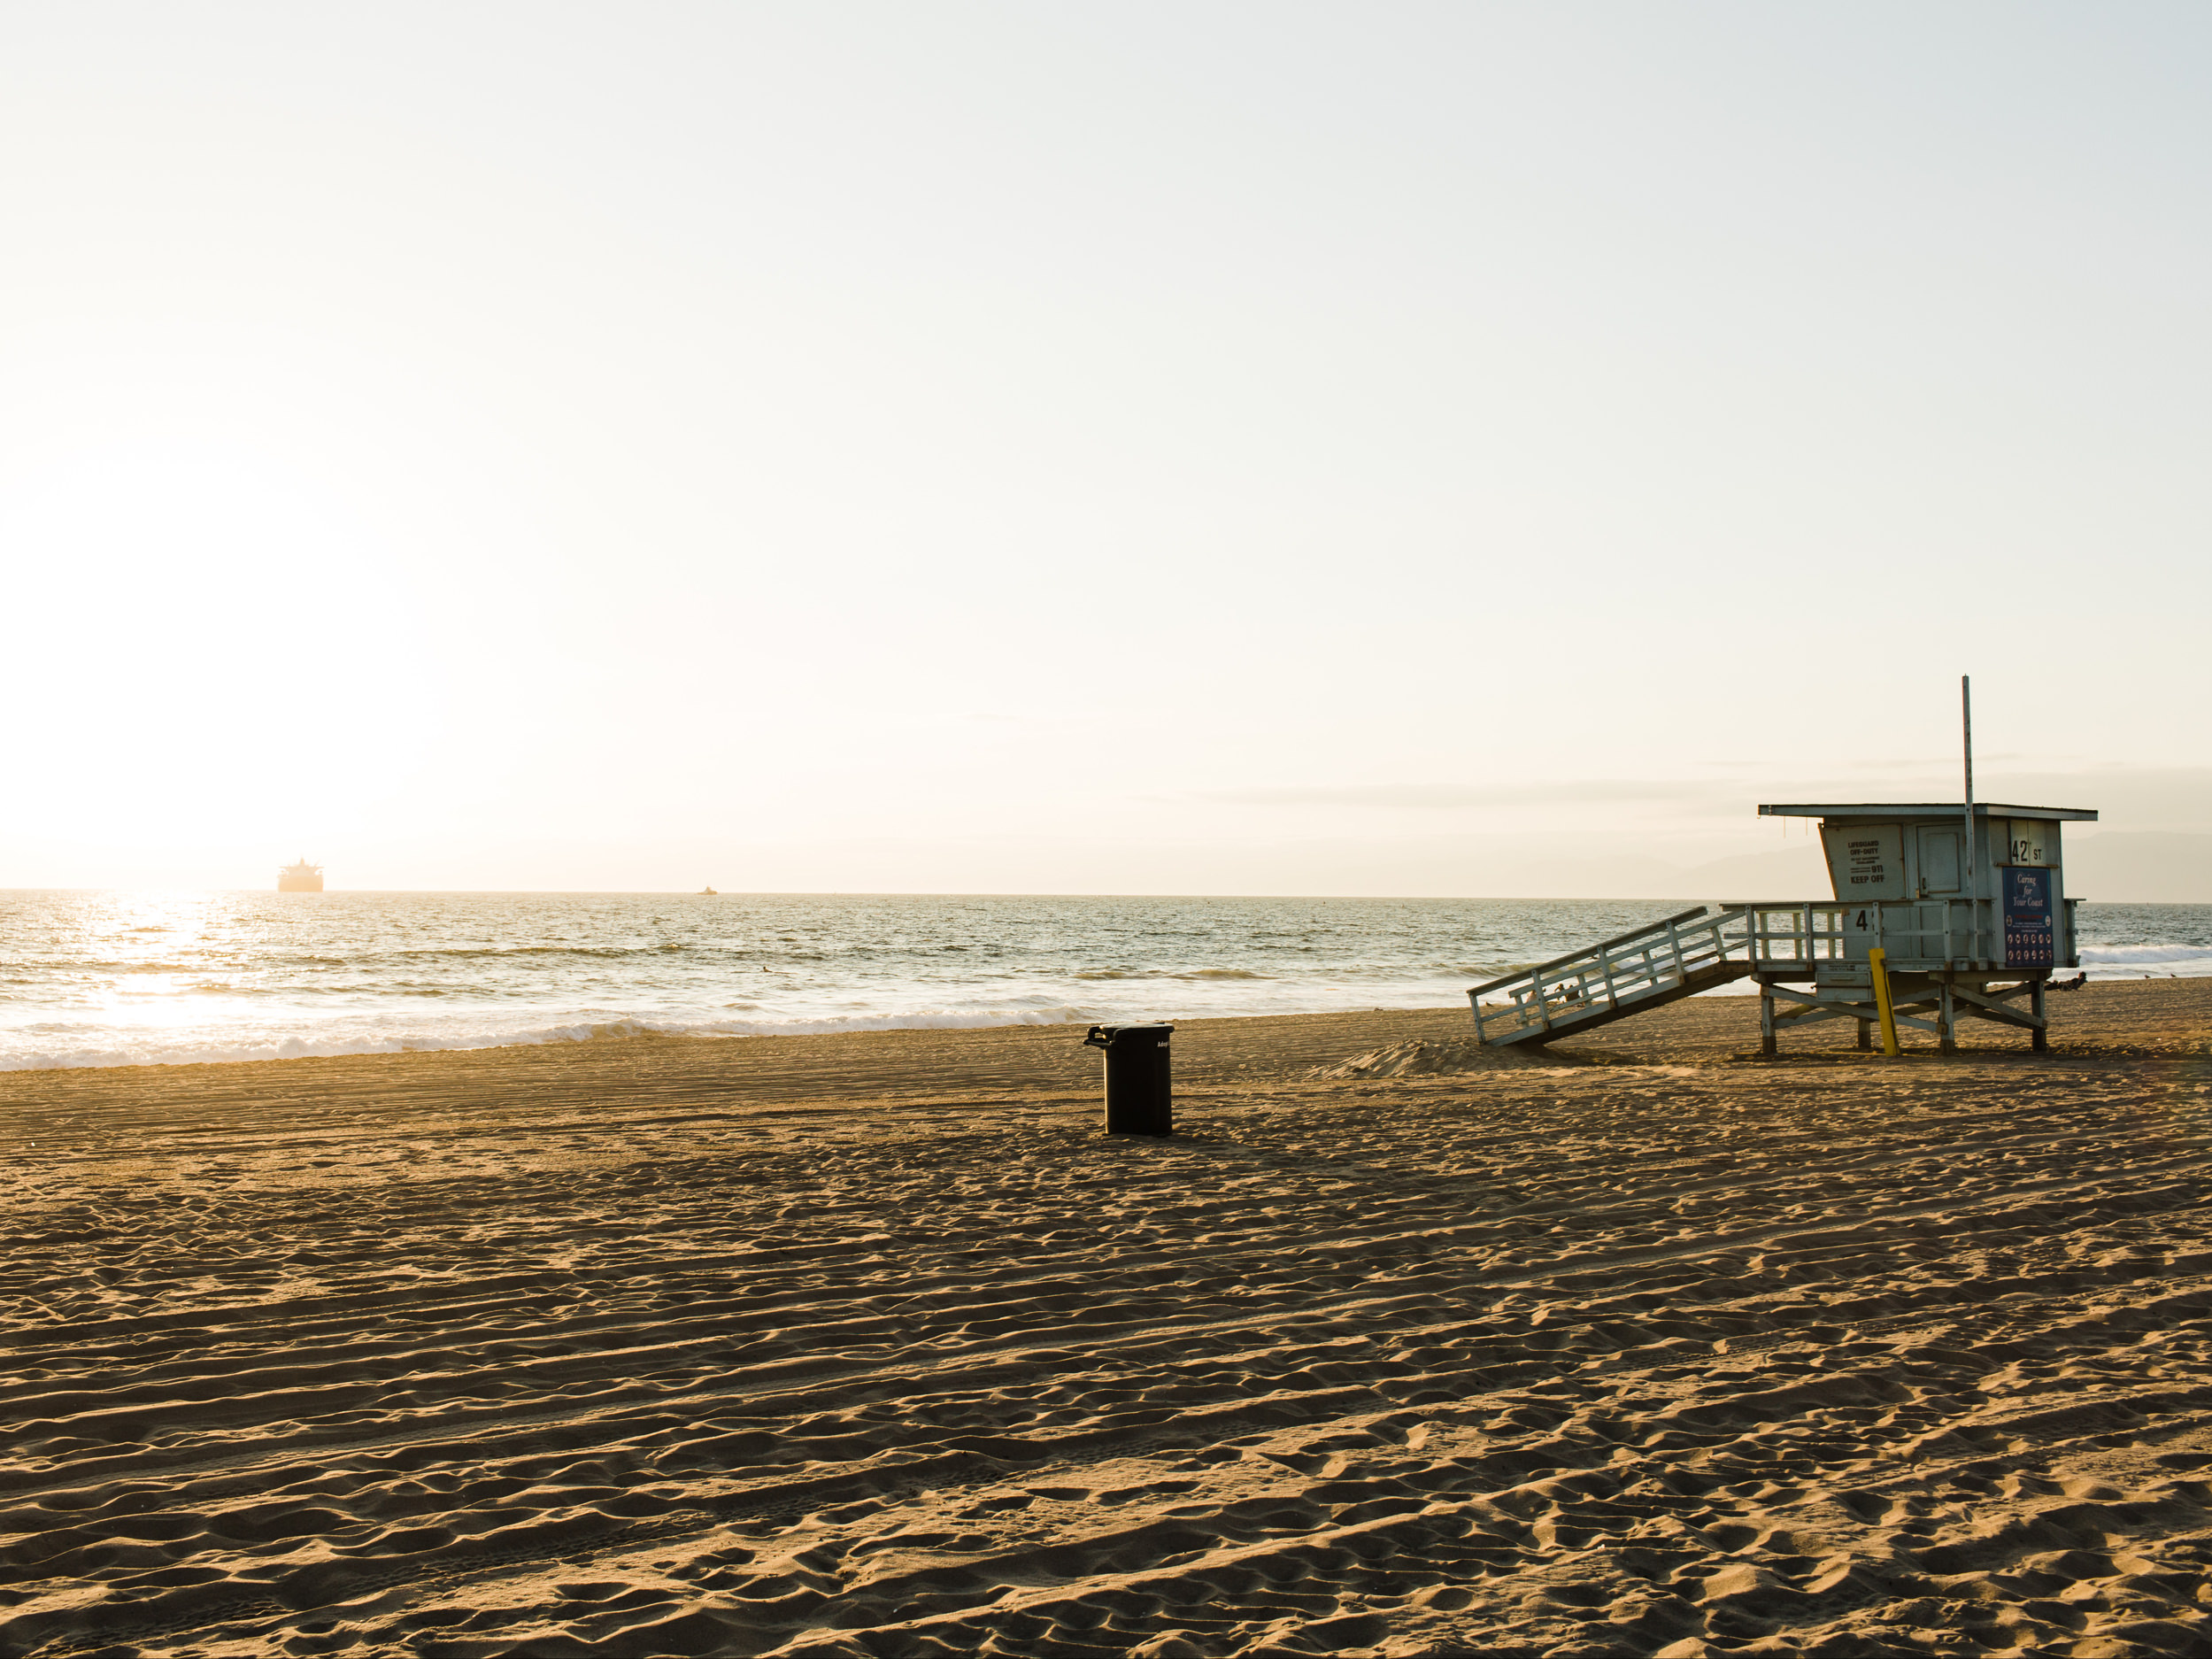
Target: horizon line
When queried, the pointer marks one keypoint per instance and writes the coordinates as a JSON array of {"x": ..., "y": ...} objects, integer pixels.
[{"x": 663, "y": 893}]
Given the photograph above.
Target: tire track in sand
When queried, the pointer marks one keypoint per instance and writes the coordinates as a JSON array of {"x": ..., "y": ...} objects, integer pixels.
[{"x": 1977, "y": 1405}]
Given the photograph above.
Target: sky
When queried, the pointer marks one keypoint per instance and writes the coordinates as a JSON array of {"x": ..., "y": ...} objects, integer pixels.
[{"x": 1203, "y": 447}]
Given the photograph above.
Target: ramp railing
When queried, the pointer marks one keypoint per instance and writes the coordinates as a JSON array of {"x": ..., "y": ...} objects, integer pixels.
[
  {"x": 1702, "y": 947},
  {"x": 1709, "y": 945}
]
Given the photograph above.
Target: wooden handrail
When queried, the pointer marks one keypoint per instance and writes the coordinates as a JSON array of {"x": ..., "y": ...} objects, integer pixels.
[
  {"x": 1614, "y": 975},
  {"x": 1576, "y": 956}
]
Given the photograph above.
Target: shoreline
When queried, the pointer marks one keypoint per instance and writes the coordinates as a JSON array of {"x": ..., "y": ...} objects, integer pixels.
[
  {"x": 619, "y": 1033},
  {"x": 1706, "y": 1029},
  {"x": 184, "y": 980}
]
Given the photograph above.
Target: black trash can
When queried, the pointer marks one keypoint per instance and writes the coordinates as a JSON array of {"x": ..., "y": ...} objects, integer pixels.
[{"x": 1136, "y": 1096}]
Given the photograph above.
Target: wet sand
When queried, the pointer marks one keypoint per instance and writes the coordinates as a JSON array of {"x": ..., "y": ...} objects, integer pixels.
[{"x": 874, "y": 1346}]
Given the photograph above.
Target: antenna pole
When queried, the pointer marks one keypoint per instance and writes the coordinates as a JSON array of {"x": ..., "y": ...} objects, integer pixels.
[{"x": 1973, "y": 896}]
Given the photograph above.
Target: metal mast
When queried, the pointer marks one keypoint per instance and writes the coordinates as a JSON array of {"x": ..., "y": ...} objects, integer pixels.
[{"x": 1966, "y": 728}]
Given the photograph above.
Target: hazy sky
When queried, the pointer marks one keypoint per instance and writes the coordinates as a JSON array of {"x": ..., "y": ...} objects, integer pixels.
[{"x": 1053, "y": 447}]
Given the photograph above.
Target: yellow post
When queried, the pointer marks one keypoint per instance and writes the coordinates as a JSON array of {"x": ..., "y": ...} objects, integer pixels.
[{"x": 1877, "y": 960}]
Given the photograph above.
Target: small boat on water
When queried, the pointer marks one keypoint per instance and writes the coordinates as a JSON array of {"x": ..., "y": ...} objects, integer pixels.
[
  {"x": 302, "y": 877},
  {"x": 708, "y": 892}
]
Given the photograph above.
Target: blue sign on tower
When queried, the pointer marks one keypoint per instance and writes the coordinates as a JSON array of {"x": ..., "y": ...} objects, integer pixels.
[{"x": 2027, "y": 896}]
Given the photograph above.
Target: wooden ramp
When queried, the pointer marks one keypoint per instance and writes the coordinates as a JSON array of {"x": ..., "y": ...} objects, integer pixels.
[{"x": 1704, "y": 947}]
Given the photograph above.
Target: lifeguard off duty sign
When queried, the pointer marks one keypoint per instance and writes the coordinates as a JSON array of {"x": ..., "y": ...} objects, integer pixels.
[
  {"x": 1866, "y": 860},
  {"x": 1867, "y": 863}
]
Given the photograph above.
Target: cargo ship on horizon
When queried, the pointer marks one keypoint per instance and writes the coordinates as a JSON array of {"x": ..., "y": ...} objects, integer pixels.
[{"x": 302, "y": 877}]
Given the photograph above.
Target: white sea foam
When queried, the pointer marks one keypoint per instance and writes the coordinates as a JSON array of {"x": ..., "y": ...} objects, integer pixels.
[
  {"x": 209, "y": 1048},
  {"x": 120, "y": 979},
  {"x": 2139, "y": 962}
]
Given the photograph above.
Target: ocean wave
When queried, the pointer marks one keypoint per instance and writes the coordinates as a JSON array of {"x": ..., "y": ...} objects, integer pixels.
[
  {"x": 2139, "y": 962},
  {"x": 477, "y": 952},
  {"x": 1170, "y": 973},
  {"x": 239, "y": 978}
]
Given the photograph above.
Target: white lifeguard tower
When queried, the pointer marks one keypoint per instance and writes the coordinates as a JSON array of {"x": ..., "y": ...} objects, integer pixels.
[
  {"x": 1957, "y": 905},
  {"x": 1967, "y": 922},
  {"x": 1958, "y": 909}
]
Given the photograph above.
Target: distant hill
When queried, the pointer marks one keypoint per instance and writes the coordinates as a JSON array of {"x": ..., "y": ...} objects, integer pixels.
[
  {"x": 2145, "y": 867},
  {"x": 1799, "y": 872},
  {"x": 2117, "y": 866}
]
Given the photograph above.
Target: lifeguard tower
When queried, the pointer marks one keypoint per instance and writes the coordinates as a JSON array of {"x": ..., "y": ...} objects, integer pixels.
[{"x": 1965, "y": 902}]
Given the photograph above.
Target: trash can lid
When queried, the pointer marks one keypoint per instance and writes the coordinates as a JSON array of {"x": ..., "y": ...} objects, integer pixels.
[{"x": 1102, "y": 1035}]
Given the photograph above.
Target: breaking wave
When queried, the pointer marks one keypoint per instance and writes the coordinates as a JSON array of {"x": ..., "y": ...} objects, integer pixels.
[
  {"x": 121, "y": 979},
  {"x": 2140, "y": 962}
]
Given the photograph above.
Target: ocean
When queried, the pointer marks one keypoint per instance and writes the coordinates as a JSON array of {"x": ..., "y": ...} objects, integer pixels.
[{"x": 137, "y": 978}]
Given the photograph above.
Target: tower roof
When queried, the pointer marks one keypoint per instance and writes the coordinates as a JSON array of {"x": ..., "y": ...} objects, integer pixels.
[{"x": 1935, "y": 809}]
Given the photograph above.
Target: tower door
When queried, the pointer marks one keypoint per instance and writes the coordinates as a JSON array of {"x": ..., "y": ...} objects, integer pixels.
[{"x": 1940, "y": 868}]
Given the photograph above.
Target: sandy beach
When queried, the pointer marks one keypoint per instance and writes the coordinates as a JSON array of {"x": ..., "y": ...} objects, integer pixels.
[{"x": 874, "y": 1345}]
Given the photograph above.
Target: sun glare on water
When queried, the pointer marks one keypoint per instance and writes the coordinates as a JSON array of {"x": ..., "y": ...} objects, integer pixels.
[{"x": 160, "y": 960}]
